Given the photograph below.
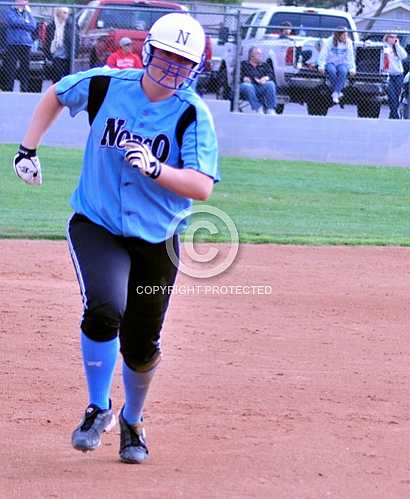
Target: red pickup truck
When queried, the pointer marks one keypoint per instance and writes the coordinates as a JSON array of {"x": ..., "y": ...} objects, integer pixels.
[{"x": 104, "y": 22}]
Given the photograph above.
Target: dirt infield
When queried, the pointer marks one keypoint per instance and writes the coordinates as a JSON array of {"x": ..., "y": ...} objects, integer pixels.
[{"x": 301, "y": 393}]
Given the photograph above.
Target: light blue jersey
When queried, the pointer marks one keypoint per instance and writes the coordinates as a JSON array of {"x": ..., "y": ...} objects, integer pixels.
[{"x": 180, "y": 131}]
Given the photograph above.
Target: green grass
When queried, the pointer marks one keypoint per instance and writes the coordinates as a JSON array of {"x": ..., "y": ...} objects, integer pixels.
[
  {"x": 269, "y": 201},
  {"x": 37, "y": 212}
]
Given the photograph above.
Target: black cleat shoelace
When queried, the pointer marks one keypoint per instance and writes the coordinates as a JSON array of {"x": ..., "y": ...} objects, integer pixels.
[
  {"x": 132, "y": 439},
  {"x": 90, "y": 416}
]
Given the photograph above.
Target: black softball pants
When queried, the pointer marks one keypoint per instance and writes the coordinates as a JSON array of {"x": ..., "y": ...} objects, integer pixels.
[
  {"x": 14, "y": 54},
  {"x": 118, "y": 277}
]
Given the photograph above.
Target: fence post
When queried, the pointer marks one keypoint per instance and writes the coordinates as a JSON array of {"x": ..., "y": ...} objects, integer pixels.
[
  {"x": 237, "y": 66},
  {"x": 408, "y": 98},
  {"x": 73, "y": 49}
]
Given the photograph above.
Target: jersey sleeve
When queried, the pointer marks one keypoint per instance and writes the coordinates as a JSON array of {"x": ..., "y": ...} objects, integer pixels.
[
  {"x": 72, "y": 90},
  {"x": 199, "y": 149}
]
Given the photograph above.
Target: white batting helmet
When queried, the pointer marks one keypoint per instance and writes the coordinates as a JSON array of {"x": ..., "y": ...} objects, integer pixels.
[{"x": 180, "y": 34}]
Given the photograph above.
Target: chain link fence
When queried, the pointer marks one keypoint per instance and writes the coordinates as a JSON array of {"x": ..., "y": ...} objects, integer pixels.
[{"x": 291, "y": 61}]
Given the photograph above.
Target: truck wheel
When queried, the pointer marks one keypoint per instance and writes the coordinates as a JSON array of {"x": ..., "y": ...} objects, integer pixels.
[
  {"x": 280, "y": 108},
  {"x": 223, "y": 91},
  {"x": 368, "y": 109},
  {"x": 270, "y": 63},
  {"x": 317, "y": 107},
  {"x": 35, "y": 86},
  {"x": 94, "y": 61}
]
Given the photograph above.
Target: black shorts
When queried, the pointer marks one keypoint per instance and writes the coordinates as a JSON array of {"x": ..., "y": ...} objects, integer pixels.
[{"x": 117, "y": 277}]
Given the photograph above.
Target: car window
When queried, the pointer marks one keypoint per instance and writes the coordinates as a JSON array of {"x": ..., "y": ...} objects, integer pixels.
[
  {"x": 246, "y": 24},
  {"x": 250, "y": 19},
  {"x": 85, "y": 15},
  {"x": 405, "y": 41},
  {"x": 300, "y": 23},
  {"x": 126, "y": 18},
  {"x": 277, "y": 19},
  {"x": 308, "y": 21},
  {"x": 256, "y": 22},
  {"x": 331, "y": 23},
  {"x": 307, "y": 24}
]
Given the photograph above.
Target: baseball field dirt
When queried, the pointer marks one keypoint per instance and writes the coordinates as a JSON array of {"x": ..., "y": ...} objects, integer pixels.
[{"x": 296, "y": 388}]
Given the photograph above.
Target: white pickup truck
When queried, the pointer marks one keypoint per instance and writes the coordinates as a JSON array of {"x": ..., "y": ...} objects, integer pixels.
[{"x": 297, "y": 78}]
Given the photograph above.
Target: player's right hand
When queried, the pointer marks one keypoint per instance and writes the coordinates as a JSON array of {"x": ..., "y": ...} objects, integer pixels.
[{"x": 27, "y": 166}]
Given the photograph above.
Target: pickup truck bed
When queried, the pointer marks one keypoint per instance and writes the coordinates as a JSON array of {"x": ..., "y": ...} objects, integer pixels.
[{"x": 297, "y": 77}]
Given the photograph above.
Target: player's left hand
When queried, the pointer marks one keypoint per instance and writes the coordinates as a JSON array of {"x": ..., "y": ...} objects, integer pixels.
[
  {"x": 27, "y": 166},
  {"x": 140, "y": 156}
]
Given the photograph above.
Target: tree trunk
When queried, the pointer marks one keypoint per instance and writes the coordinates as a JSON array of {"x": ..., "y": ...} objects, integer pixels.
[{"x": 382, "y": 5}]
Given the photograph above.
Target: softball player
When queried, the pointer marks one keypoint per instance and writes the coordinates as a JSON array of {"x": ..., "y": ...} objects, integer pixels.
[{"x": 151, "y": 150}]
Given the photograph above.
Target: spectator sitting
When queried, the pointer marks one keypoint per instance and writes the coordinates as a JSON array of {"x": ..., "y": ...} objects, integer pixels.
[
  {"x": 124, "y": 58},
  {"x": 257, "y": 85},
  {"x": 336, "y": 59},
  {"x": 58, "y": 42},
  {"x": 19, "y": 27},
  {"x": 285, "y": 30},
  {"x": 396, "y": 54}
]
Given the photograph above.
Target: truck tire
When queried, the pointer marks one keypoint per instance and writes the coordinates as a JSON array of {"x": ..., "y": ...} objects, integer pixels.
[
  {"x": 94, "y": 62},
  {"x": 223, "y": 91},
  {"x": 35, "y": 85},
  {"x": 280, "y": 108},
  {"x": 368, "y": 108},
  {"x": 269, "y": 61},
  {"x": 317, "y": 106}
]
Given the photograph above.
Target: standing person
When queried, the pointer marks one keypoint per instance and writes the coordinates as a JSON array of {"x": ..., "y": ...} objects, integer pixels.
[
  {"x": 58, "y": 43},
  {"x": 336, "y": 59},
  {"x": 124, "y": 58},
  {"x": 151, "y": 150},
  {"x": 257, "y": 85},
  {"x": 19, "y": 26},
  {"x": 396, "y": 54}
]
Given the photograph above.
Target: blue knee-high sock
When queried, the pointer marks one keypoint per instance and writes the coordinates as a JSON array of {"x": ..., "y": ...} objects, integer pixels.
[
  {"x": 99, "y": 358},
  {"x": 136, "y": 388}
]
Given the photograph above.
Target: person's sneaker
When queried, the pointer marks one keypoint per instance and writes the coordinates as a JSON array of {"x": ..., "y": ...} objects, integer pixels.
[
  {"x": 270, "y": 111},
  {"x": 335, "y": 97},
  {"x": 87, "y": 436},
  {"x": 259, "y": 111},
  {"x": 133, "y": 446}
]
